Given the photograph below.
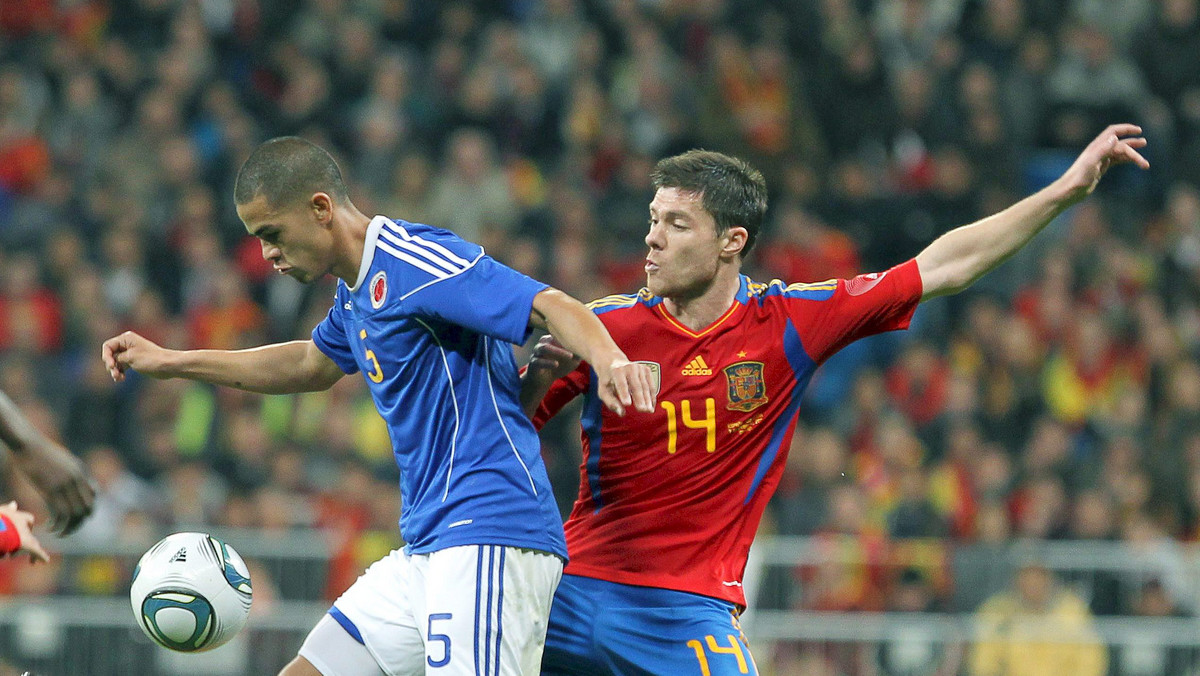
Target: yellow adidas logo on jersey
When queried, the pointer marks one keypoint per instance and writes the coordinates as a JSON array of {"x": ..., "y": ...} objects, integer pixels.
[{"x": 697, "y": 367}]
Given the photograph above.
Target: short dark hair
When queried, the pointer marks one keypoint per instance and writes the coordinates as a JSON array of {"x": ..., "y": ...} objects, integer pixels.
[
  {"x": 287, "y": 169},
  {"x": 734, "y": 192}
]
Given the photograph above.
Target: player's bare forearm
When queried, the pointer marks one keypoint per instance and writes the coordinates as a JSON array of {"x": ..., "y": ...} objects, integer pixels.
[
  {"x": 958, "y": 258},
  {"x": 59, "y": 477},
  {"x": 574, "y": 326},
  {"x": 16, "y": 431},
  {"x": 282, "y": 368},
  {"x": 622, "y": 383}
]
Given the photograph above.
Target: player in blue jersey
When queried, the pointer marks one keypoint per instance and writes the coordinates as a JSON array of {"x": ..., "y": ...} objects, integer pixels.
[{"x": 427, "y": 318}]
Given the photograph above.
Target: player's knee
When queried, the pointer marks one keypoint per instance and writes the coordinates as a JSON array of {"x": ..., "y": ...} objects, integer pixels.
[{"x": 299, "y": 667}]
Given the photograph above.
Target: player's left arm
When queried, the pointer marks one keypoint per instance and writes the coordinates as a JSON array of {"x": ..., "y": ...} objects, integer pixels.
[
  {"x": 958, "y": 258},
  {"x": 57, "y": 475},
  {"x": 620, "y": 382}
]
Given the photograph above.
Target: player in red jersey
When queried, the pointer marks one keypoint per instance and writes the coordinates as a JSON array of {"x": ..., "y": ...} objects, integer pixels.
[{"x": 669, "y": 501}]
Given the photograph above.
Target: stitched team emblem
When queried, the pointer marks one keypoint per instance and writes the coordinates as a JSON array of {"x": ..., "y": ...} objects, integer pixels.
[
  {"x": 378, "y": 289},
  {"x": 747, "y": 390},
  {"x": 655, "y": 375}
]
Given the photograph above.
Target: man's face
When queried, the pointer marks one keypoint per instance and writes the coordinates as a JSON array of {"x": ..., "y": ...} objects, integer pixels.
[
  {"x": 684, "y": 246},
  {"x": 292, "y": 237},
  {"x": 1035, "y": 585}
]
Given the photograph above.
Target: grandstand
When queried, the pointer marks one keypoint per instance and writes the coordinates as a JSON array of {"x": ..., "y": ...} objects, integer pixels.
[{"x": 1032, "y": 443}]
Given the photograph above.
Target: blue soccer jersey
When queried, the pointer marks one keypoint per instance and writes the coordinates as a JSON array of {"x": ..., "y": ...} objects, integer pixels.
[{"x": 429, "y": 323}]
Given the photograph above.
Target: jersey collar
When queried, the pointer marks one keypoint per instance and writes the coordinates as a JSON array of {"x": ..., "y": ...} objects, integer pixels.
[
  {"x": 738, "y": 301},
  {"x": 368, "y": 250}
]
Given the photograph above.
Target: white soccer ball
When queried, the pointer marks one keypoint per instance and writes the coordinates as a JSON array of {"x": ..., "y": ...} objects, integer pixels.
[{"x": 191, "y": 592}]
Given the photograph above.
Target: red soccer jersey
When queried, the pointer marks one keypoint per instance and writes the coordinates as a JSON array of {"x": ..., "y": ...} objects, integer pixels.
[{"x": 672, "y": 499}]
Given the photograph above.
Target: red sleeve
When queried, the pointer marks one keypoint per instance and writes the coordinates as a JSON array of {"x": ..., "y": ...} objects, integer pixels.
[
  {"x": 561, "y": 393},
  {"x": 10, "y": 540},
  {"x": 860, "y": 307}
]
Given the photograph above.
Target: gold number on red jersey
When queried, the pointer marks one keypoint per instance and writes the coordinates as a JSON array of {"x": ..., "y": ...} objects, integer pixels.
[
  {"x": 708, "y": 423},
  {"x": 376, "y": 376}
]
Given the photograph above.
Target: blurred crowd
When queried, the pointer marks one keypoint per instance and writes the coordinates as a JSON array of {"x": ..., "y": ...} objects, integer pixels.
[{"x": 1059, "y": 399}]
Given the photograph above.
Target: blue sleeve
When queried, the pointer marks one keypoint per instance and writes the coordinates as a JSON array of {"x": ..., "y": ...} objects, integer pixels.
[
  {"x": 330, "y": 338},
  {"x": 487, "y": 297}
]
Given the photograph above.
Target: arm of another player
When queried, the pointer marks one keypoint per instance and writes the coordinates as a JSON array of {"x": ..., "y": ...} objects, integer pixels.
[
  {"x": 620, "y": 382},
  {"x": 956, "y": 259},
  {"x": 281, "y": 368},
  {"x": 16, "y": 536},
  {"x": 56, "y": 474},
  {"x": 550, "y": 361}
]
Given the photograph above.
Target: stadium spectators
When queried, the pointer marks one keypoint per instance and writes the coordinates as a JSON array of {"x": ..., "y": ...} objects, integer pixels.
[{"x": 1059, "y": 400}]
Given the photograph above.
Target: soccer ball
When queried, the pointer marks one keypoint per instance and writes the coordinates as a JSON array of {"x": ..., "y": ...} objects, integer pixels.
[{"x": 191, "y": 592}]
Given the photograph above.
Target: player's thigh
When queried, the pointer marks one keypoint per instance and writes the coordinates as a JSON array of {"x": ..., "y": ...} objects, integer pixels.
[
  {"x": 680, "y": 641},
  {"x": 330, "y": 650},
  {"x": 486, "y": 608},
  {"x": 379, "y": 612},
  {"x": 570, "y": 636}
]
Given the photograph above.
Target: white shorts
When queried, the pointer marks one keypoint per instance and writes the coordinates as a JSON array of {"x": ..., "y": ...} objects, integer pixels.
[{"x": 477, "y": 610}]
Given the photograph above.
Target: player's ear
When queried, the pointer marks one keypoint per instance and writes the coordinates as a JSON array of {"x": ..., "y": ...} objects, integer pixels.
[
  {"x": 321, "y": 206},
  {"x": 734, "y": 240}
]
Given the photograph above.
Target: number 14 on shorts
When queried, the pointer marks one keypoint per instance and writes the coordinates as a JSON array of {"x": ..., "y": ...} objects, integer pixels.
[{"x": 710, "y": 645}]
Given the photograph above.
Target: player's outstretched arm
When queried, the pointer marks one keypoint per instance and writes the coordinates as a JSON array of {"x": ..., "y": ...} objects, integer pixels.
[
  {"x": 956, "y": 259},
  {"x": 281, "y": 368},
  {"x": 16, "y": 535},
  {"x": 57, "y": 475},
  {"x": 620, "y": 382}
]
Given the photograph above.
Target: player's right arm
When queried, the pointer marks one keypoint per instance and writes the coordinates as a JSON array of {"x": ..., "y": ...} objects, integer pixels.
[
  {"x": 620, "y": 382},
  {"x": 281, "y": 368}
]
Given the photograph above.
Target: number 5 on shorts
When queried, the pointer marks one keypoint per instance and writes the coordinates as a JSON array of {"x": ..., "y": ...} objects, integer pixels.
[{"x": 438, "y": 637}]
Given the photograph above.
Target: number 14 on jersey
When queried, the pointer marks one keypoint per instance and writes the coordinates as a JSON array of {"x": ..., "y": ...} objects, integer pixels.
[{"x": 682, "y": 412}]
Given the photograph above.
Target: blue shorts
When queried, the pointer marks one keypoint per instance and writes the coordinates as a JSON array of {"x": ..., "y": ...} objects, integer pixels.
[{"x": 600, "y": 628}]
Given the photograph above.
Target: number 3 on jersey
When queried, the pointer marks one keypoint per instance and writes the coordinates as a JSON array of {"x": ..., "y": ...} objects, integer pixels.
[
  {"x": 376, "y": 375},
  {"x": 684, "y": 411}
]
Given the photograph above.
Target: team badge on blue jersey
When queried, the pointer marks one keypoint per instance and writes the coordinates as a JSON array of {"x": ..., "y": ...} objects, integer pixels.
[
  {"x": 747, "y": 389},
  {"x": 378, "y": 289}
]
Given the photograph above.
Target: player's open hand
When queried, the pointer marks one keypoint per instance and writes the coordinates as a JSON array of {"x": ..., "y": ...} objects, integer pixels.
[
  {"x": 1118, "y": 144},
  {"x": 551, "y": 360},
  {"x": 23, "y": 521},
  {"x": 129, "y": 350},
  {"x": 61, "y": 480},
  {"x": 623, "y": 383}
]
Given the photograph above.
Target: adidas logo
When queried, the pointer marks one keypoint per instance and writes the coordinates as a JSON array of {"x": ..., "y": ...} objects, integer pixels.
[
  {"x": 180, "y": 556},
  {"x": 697, "y": 367}
]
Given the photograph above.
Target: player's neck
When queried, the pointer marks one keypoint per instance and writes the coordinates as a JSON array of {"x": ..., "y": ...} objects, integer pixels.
[
  {"x": 700, "y": 311},
  {"x": 350, "y": 238}
]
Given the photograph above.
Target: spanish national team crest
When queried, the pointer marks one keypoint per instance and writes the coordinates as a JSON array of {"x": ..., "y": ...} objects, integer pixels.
[
  {"x": 747, "y": 390},
  {"x": 378, "y": 289},
  {"x": 655, "y": 373}
]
